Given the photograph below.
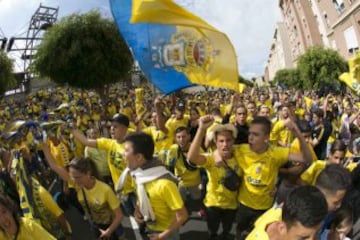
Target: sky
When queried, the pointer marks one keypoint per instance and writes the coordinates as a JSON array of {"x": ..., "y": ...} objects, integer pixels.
[{"x": 249, "y": 24}]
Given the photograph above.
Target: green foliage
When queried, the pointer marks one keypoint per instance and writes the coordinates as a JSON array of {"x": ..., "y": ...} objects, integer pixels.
[
  {"x": 7, "y": 79},
  {"x": 84, "y": 51},
  {"x": 245, "y": 81},
  {"x": 289, "y": 78},
  {"x": 320, "y": 68}
]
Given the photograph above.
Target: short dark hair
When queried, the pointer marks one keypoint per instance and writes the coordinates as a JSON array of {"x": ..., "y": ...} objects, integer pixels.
[
  {"x": 344, "y": 215},
  {"x": 304, "y": 126},
  {"x": 121, "y": 119},
  {"x": 264, "y": 121},
  {"x": 306, "y": 205},
  {"x": 338, "y": 145},
  {"x": 84, "y": 165},
  {"x": 182, "y": 128},
  {"x": 142, "y": 143},
  {"x": 319, "y": 112},
  {"x": 334, "y": 178}
]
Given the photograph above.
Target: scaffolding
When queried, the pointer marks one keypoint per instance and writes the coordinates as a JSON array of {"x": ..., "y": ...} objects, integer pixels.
[{"x": 43, "y": 18}]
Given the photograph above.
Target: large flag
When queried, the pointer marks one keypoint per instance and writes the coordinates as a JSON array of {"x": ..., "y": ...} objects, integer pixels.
[
  {"x": 175, "y": 49},
  {"x": 352, "y": 78}
]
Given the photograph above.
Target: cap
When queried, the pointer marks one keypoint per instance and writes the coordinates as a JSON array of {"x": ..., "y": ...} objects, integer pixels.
[{"x": 121, "y": 118}]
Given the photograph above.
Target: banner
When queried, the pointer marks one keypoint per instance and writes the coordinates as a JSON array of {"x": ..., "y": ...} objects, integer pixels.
[
  {"x": 352, "y": 78},
  {"x": 174, "y": 48}
]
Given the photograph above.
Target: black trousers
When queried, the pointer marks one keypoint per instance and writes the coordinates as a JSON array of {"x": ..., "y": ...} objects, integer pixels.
[
  {"x": 216, "y": 216},
  {"x": 245, "y": 219}
]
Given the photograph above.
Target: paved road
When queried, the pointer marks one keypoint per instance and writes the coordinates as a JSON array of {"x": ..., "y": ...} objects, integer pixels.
[{"x": 194, "y": 229}]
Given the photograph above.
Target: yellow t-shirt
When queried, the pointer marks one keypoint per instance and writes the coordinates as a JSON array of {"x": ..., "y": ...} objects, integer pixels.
[
  {"x": 162, "y": 140},
  {"x": 165, "y": 199},
  {"x": 115, "y": 161},
  {"x": 352, "y": 166},
  {"x": 259, "y": 231},
  {"x": 260, "y": 174},
  {"x": 295, "y": 148},
  {"x": 280, "y": 133},
  {"x": 29, "y": 230},
  {"x": 217, "y": 195},
  {"x": 102, "y": 202},
  {"x": 310, "y": 175},
  {"x": 172, "y": 124},
  {"x": 53, "y": 211},
  {"x": 175, "y": 159},
  {"x": 60, "y": 153}
]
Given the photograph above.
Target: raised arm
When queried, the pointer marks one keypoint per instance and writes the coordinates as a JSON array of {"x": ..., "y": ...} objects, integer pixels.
[
  {"x": 62, "y": 172},
  {"x": 160, "y": 118},
  {"x": 83, "y": 139},
  {"x": 194, "y": 155},
  {"x": 305, "y": 155}
]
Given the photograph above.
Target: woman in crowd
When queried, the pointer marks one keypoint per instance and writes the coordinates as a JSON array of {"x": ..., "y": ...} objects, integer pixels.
[
  {"x": 99, "y": 201},
  {"x": 13, "y": 227}
]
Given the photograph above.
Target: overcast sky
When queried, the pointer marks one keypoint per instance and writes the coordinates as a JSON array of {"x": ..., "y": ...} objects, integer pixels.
[{"x": 249, "y": 24}]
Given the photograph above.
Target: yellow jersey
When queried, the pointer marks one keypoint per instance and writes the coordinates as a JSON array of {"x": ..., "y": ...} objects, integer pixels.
[
  {"x": 115, "y": 161},
  {"x": 259, "y": 230},
  {"x": 165, "y": 199},
  {"x": 260, "y": 173},
  {"x": 217, "y": 195}
]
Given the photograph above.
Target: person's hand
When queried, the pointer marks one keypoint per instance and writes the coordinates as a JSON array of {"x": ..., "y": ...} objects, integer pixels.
[
  {"x": 205, "y": 121},
  {"x": 154, "y": 236},
  {"x": 158, "y": 101},
  {"x": 105, "y": 234},
  {"x": 315, "y": 142},
  {"x": 138, "y": 216},
  {"x": 289, "y": 124}
]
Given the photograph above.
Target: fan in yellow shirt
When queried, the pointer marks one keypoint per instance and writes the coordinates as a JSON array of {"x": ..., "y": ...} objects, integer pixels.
[
  {"x": 260, "y": 163},
  {"x": 336, "y": 156},
  {"x": 220, "y": 202},
  {"x": 300, "y": 217},
  {"x": 97, "y": 198},
  {"x": 290, "y": 173},
  {"x": 13, "y": 227},
  {"x": 115, "y": 150},
  {"x": 176, "y": 162},
  {"x": 158, "y": 131},
  {"x": 178, "y": 120},
  {"x": 160, "y": 205}
]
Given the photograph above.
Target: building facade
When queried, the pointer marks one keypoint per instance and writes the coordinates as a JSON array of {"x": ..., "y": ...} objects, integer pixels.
[
  {"x": 301, "y": 26},
  {"x": 331, "y": 23},
  {"x": 280, "y": 52},
  {"x": 341, "y": 19}
]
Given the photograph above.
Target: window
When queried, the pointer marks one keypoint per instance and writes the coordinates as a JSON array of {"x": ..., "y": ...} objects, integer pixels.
[
  {"x": 295, "y": 31},
  {"x": 326, "y": 19},
  {"x": 352, "y": 43},
  {"x": 339, "y": 5}
]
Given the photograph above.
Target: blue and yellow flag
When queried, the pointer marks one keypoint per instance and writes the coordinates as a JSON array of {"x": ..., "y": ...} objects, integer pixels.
[{"x": 175, "y": 49}]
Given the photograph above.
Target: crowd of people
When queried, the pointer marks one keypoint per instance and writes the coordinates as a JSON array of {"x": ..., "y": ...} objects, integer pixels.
[{"x": 274, "y": 163}]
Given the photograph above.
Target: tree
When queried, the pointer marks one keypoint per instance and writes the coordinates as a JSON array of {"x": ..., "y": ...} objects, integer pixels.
[
  {"x": 84, "y": 51},
  {"x": 320, "y": 68},
  {"x": 7, "y": 79},
  {"x": 289, "y": 78},
  {"x": 247, "y": 82}
]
